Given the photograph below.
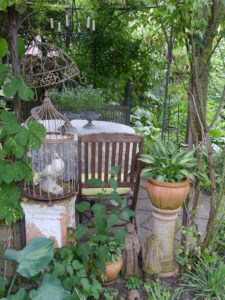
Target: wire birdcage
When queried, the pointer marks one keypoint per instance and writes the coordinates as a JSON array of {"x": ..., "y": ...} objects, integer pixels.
[{"x": 54, "y": 163}]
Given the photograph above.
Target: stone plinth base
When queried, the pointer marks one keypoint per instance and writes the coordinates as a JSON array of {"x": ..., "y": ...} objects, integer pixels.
[
  {"x": 164, "y": 226},
  {"x": 49, "y": 221}
]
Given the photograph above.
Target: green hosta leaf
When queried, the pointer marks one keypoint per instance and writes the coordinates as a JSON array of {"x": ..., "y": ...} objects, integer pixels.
[
  {"x": 80, "y": 231},
  {"x": 20, "y": 295},
  {"x": 113, "y": 183},
  {"x": 21, "y": 47},
  {"x": 120, "y": 236},
  {"x": 147, "y": 159},
  {"x": 98, "y": 210},
  {"x": 95, "y": 182},
  {"x": 159, "y": 148},
  {"x": 59, "y": 270},
  {"x": 33, "y": 258},
  {"x": 160, "y": 178},
  {"x": 11, "y": 87},
  {"x": 184, "y": 172},
  {"x": 3, "y": 43},
  {"x": 112, "y": 219},
  {"x": 50, "y": 288},
  {"x": 127, "y": 213},
  {"x": 83, "y": 206},
  {"x": 172, "y": 148},
  {"x": 148, "y": 172},
  {"x": 77, "y": 265}
]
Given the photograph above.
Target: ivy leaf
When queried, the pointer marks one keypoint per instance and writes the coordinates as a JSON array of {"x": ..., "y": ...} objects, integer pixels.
[
  {"x": 80, "y": 231},
  {"x": 83, "y": 206},
  {"x": 3, "y": 42}
]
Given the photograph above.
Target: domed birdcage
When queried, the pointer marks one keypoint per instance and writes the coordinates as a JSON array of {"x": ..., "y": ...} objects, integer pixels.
[
  {"x": 54, "y": 163},
  {"x": 45, "y": 65}
]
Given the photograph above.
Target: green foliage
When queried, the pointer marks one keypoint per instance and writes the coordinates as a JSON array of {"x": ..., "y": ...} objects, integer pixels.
[
  {"x": 17, "y": 140},
  {"x": 206, "y": 280},
  {"x": 50, "y": 288},
  {"x": 80, "y": 99},
  {"x": 167, "y": 164},
  {"x": 9, "y": 83},
  {"x": 134, "y": 283},
  {"x": 78, "y": 266},
  {"x": 111, "y": 294},
  {"x": 187, "y": 254},
  {"x": 33, "y": 258},
  {"x": 156, "y": 291}
]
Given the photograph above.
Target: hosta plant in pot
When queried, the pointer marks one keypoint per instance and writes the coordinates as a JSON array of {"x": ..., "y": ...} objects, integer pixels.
[{"x": 168, "y": 174}]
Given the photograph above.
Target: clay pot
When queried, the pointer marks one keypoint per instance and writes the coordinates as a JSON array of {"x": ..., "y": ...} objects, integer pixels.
[
  {"x": 167, "y": 195},
  {"x": 112, "y": 271}
]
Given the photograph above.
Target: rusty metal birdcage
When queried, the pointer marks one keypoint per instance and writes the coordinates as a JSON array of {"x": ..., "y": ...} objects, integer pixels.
[{"x": 54, "y": 163}]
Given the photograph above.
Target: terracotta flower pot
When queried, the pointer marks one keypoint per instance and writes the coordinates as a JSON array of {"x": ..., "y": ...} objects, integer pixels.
[
  {"x": 167, "y": 195},
  {"x": 112, "y": 271}
]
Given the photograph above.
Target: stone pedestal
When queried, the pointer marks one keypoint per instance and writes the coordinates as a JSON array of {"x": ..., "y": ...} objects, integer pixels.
[
  {"x": 163, "y": 227},
  {"x": 49, "y": 221}
]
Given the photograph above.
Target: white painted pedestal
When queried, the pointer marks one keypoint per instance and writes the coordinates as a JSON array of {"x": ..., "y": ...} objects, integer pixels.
[
  {"x": 49, "y": 221},
  {"x": 163, "y": 227}
]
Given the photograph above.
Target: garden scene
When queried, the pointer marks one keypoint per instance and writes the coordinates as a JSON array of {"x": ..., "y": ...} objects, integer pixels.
[{"x": 112, "y": 150}]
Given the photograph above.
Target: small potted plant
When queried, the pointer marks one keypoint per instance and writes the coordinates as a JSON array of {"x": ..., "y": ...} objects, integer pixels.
[
  {"x": 113, "y": 258},
  {"x": 168, "y": 174},
  {"x": 85, "y": 102}
]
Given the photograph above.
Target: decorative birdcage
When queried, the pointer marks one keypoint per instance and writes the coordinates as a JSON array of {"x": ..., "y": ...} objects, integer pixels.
[
  {"x": 54, "y": 163},
  {"x": 45, "y": 65}
]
